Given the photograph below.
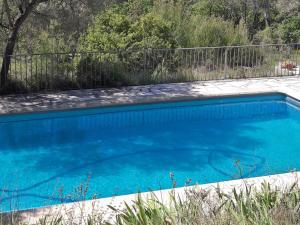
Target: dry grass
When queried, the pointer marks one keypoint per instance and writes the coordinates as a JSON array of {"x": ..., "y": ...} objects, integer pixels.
[{"x": 260, "y": 206}]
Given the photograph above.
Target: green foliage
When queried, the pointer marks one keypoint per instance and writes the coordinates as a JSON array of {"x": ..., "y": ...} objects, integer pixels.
[
  {"x": 214, "y": 31},
  {"x": 177, "y": 13},
  {"x": 270, "y": 35},
  {"x": 267, "y": 206},
  {"x": 228, "y": 10},
  {"x": 116, "y": 31},
  {"x": 97, "y": 72},
  {"x": 137, "y": 8},
  {"x": 291, "y": 29},
  {"x": 150, "y": 212},
  {"x": 123, "y": 32},
  {"x": 110, "y": 31},
  {"x": 151, "y": 31},
  {"x": 122, "y": 41}
]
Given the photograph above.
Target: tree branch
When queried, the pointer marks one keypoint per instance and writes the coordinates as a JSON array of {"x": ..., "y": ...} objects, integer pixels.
[
  {"x": 40, "y": 14},
  {"x": 7, "y": 11},
  {"x": 29, "y": 8}
]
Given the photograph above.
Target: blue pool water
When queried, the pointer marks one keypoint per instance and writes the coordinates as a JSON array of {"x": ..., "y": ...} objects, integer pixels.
[{"x": 55, "y": 157}]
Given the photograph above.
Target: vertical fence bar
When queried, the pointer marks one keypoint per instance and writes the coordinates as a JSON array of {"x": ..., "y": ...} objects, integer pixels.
[
  {"x": 234, "y": 60},
  {"x": 226, "y": 61},
  {"x": 92, "y": 65},
  {"x": 253, "y": 62},
  {"x": 46, "y": 74},
  {"x": 52, "y": 69},
  {"x": 36, "y": 73},
  {"x": 15, "y": 73},
  {"x": 26, "y": 75},
  {"x": 41, "y": 73},
  {"x": 31, "y": 80},
  {"x": 101, "y": 69},
  {"x": 21, "y": 69},
  {"x": 9, "y": 75},
  {"x": 297, "y": 59}
]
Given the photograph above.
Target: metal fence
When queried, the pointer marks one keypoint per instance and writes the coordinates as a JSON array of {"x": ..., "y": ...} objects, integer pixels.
[{"x": 64, "y": 71}]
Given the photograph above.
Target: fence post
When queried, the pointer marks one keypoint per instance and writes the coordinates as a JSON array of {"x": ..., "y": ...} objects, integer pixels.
[
  {"x": 144, "y": 66},
  {"x": 226, "y": 62},
  {"x": 4, "y": 72}
]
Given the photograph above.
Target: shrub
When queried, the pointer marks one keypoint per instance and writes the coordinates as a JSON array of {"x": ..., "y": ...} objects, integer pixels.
[
  {"x": 122, "y": 44},
  {"x": 113, "y": 31},
  {"x": 290, "y": 29},
  {"x": 109, "y": 31},
  {"x": 214, "y": 31},
  {"x": 269, "y": 35},
  {"x": 14, "y": 86},
  {"x": 151, "y": 31},
  {"x": 97, "y": 72}
]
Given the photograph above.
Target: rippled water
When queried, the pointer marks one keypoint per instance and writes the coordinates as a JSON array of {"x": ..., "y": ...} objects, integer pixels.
[{"x": 46, "y": 158}]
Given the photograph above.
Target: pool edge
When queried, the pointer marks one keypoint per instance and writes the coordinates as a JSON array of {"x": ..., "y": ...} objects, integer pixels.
[
  {"x": 280, "y": 181},
  {"x": 149, "y": 102}
]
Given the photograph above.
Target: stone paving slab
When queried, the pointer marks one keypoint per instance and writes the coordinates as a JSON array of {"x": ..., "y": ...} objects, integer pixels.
[{"x": 145, "y": 94}]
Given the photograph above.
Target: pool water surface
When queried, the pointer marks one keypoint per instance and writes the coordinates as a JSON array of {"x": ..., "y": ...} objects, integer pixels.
[{"x": 55, "y": 157}]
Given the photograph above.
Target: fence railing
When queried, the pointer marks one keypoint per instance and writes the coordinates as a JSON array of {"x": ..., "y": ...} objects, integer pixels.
[{"x": 63, "y": 71}]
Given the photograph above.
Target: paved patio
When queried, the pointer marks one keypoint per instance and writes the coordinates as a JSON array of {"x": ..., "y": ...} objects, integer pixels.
[{"x": 145, "y": 94}]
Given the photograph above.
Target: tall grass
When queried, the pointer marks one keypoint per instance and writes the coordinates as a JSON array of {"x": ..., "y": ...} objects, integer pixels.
[{"x": 263, "y": 205}]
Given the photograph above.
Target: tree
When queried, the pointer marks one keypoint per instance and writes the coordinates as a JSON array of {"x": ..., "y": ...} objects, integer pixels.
[
  {"x": 14, "y": 14},
  {"x": 290, "y": 29},
  {"x": 215, "y": 31},
  {"x": 113, "y": 30}
]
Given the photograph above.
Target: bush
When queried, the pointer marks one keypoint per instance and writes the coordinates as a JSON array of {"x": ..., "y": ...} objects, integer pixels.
[
  {"x": 14, "y": 86},
  {"x": 214, "y": 31},
  {"x": 270, "y": 35},
  {"x": 113, "y": 31},
  {"x": 151, "y": 31},
  {"x": 109, "y": 31},
  {"x": 122, "y": 44},
  {"x": 99, "y": 72},
  {"x": 290, "y": 29}
]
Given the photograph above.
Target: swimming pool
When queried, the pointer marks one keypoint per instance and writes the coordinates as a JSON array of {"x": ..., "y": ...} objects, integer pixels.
[{"x": 54, "y": 157}]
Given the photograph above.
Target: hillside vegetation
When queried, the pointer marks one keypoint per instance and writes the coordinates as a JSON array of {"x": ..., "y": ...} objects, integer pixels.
[
  {"x": 89, "y": 44},
  {"x": 106, "y": 25}
]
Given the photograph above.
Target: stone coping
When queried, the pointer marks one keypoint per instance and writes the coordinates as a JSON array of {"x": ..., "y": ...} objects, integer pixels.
[
  {"x": 12, "y": 104},
  {"x": 80, "y": 210}
]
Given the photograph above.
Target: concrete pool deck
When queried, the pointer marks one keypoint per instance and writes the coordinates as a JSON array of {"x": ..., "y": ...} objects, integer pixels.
[{"x": 145, "y": 94}]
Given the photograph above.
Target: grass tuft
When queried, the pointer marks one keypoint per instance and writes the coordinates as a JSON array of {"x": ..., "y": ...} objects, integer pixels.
[{"x": 263, "y": 205}]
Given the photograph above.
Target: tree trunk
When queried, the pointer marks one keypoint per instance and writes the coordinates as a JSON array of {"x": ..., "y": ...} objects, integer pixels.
[
  {"x": 267, "y": 12},
  {"x": 10, "y": 45},
  {"x": 9, "y": 50},
  {"x": 256, "y": 14},
  {"x": 245, "y": 9}
]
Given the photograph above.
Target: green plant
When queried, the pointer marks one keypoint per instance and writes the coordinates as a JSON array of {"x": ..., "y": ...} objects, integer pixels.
[
  {"x": 214, "y": 31},
  {"x": 290, "y": 29},
  {"x": 260, "y": 205},
  {"x": 149, "y": 212}
]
